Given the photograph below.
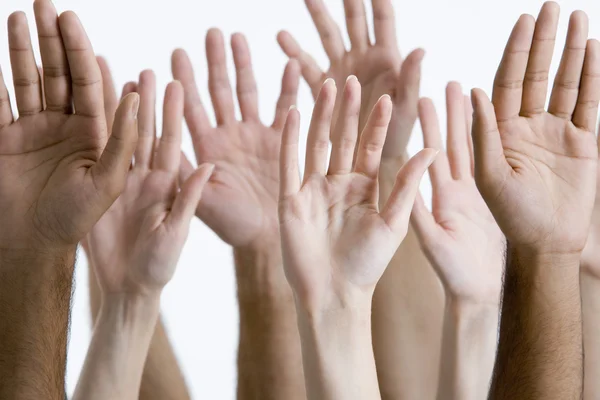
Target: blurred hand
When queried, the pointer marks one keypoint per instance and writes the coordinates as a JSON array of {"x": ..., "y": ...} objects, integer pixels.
[
  {"x": 60, "y": 170},
  {"x": 590, "y": 258},
  {"x": 335, "y": 240},
  {"x": 460, "y": 236},
  {"x": 378, "y": 65},
  {"x": 240, "y": 200},
  {"x": 536, "y": 169},
  {"x": 136, "y": 245}
]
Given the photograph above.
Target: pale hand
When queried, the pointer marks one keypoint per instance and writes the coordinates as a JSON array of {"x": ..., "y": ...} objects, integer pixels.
[
  {"x": 335, "y": 240},
  {"x": 240, "y": 200},
  {"x": 536, "y": 169},
  {"x": 136, "y": 245},
  {"x": 60, "y": 170},
  {"x": 460, "y": 237},
  {"x": 590, "y": 258},
  {"x": 378, "y": 66}
]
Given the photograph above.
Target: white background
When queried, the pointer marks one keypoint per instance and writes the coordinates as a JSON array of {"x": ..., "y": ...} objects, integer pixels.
[{"x": 463, "y": 39}]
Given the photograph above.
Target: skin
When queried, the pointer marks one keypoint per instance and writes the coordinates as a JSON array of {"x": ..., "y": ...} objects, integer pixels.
[
  {"x": 135, "y": 247},
  {"x": 162, "y": 377},
  {"x": 240, "y": 205},
  {"x": 536, "y": 170},
  {"x": 466, "y": 247},
  {"x": 590, "y": 299},
  {"x": 408, "y": 302},
  {"x": 60, "y": 172},
  {"x": 337, "y": 242}
]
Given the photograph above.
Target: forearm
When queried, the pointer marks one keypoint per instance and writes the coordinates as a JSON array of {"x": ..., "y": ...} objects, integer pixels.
[
  {"x": 338, "y": 354},
  {"x": 408, "y": 309},
  {"x": 269, "y": 355},
  {"x": 590, "y": 298},
  {"x": 117, "y": 353},
  {"x": 162, "y": 377},
  {"x": 468, "y": 350},
  {"x": 35, "y": 297},
  {"x": 540, "y": 350}
]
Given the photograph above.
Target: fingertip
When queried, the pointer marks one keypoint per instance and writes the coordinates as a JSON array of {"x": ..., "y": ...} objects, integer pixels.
[
  {"x": 385, "y": 104},
  {"x": 214, "y": 35},
  {"x": 147, "y": 76},
  {"x": 416, "y": 55},
  {"x": 16, "y": 18},
  {"x": 453, "y": 87},
  {"x": 579, "y": 16}
]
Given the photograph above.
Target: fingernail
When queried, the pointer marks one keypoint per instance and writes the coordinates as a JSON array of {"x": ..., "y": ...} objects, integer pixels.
[
  {"x": 211, "y": 168},
  {"x": 351, "y": 77},
  {"x": 329, "y": 80},
  {"x": 135, "y": 106},
  {"x": 292, "y": 107},
  {"x": 385, "y": 96}
]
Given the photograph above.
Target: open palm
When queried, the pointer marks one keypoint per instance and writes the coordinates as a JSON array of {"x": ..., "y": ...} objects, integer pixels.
[
  {"x": 378, "y": 66},
  {"x": 240, "y": 200},
  {"x": 460, "y": 236},
  {"x": 136, "y": 244},
  {"x": 60, "y": 171},
  {"x": 333, "y": 234},
  {"x": 537, "y": 163}
]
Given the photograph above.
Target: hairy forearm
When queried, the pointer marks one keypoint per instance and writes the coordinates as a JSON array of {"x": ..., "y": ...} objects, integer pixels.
[
  {"x": 338, "y": 354},
  {"x": 115, "y": 360},
  {"x": 408, "y": 309},
  {"x": 35, "y": 297},
  {"x": 269, "y": 355},
  {"x": 590, "y": 299},
  {"x": 162, "y": 377},
  {"x": 540, "y": 350},
  {"x": 468, "y": 349}
]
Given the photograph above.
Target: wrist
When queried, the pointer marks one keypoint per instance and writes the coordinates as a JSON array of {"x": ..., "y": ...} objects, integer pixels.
[
  {"x": 132, "y": 311},
  {"x": 259, "y": 273},
  {"x": 539, "y": 259}
]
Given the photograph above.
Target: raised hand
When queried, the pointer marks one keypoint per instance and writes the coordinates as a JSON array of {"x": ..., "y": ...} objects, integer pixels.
[
  {"x": 240, "y": 200},
  {"x": 460, "y": 236},
  {"x": 336, "y": 242},
  {"x": 535, "y": 168},
  {"x": 590, "y": 257},
  {"x": 61, "y": 171},
  {"x": 136, "y": 244},
  {"x": 378, "y": 65}
]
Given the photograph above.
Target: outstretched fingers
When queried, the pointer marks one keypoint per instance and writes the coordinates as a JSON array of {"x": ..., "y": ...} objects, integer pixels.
[
  {"x": 327, "y": 28},
  {"x": 432, "y": 138},
  {"x": 311, "y": 72},
  {"x": 218, "y": 78},
  {"x": 289, "y": 173},
  {"x": 6, "y": 114},
  {"x": 167, "y": 156},
  {"x": 346, "y": 130},
  {"x": 586, "y": 110},
  {"x": 247, "y": 92},
  {"x": 289, "y": 93}
]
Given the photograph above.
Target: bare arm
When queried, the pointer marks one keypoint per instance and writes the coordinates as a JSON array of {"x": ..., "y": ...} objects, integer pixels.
[
  {"x": 590, "y": 304},
  {"x": 536, "y": 170}
]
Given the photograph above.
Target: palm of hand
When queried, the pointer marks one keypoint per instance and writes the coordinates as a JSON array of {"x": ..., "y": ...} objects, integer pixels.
[
  {"x": 553, "y": 167},
  {"x": 240, "y": 200},
  {"x": 332, "y": 219},
  {"x": 45, "y": 159},
  {"x": 471, "y": 255},
  {"x": 132, "y": 248}
]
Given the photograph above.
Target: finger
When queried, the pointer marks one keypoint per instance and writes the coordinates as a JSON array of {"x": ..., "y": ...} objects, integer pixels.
[
  {"x": 490, "y": 162},
  {"x": 317, "y": 145},
  {"x": 289, "y": 93},
  {"x": 26, "y": 78},
  {"x": 432, "y": 138},
  {"x": 57, "y": 81},
  {"x": 194, "y": 112},
  {"x": 186, "y": 169},
  {"x": 329, "y": 32},
  {"x": 422, "y": 221},
  {"x": 535, "y": 86},
  {"x": 108, "y": 90},
  {"x": 356, "y": 22},
  {"x": 384, "y": 23},
  {"x": 86, "y": 79},
  {"x": 566, "y": 84},
  {"x": 469, "y": 123},
  {"x": 169, "y": 149},
  {"x": 109, "y": 174},
  {"x": 372, "y": 139},
  {"x": 312, "y": 74},
  {"x": 396, "y": 212},
  {"x": 346, "y": 131},
  {"x": 586, "y": 111},
  {"x": 289, "y": 173},
  {"x": 129, "y": 87},
  {"x": 144, "y": 151},
  {"x": 456, "y": 142},
  {"x": 246, "y": 84},
  {"x": 508, "y": 84},
  {"x": 218, "y": 78},
  {"x": 186, "y": 202},
  {"x": 6, "y": 114}
]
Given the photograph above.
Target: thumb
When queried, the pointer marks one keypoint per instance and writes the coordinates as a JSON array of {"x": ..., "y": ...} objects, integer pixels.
[
  {"x": 422, "y": 220},
  {"x": 110, "y": 172},
  {"x": 187, "y": 199},
  {"x": 397, "y": 210}
]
